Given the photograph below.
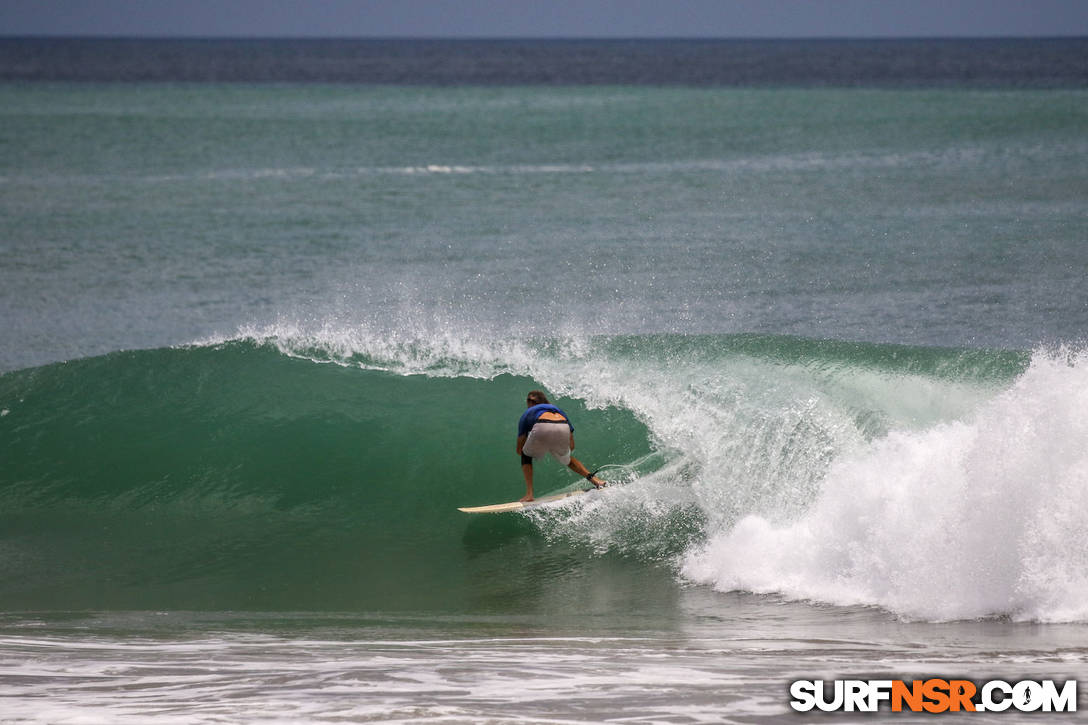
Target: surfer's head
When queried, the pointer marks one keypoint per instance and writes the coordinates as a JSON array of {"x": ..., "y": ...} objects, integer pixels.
[{"x": 536, "y": 397}]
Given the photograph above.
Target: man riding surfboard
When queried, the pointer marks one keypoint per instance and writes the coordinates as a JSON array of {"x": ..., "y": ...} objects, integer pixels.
[{"x": 544, "y": 428}]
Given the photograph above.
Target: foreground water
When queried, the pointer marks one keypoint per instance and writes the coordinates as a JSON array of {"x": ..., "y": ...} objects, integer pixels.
[
  {"x": 260, "y": 341},
  {"x": 704, "y": 658}
]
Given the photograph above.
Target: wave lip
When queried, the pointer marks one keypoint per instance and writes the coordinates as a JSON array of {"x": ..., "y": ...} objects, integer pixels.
[{"x": 975, "y": 518}]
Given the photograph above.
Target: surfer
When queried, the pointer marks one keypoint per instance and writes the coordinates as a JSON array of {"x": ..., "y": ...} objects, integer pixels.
[{"x": 544, "y": 428}]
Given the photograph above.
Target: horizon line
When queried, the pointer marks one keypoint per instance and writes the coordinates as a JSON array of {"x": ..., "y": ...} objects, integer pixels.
[{"x": 545, "y": 38}]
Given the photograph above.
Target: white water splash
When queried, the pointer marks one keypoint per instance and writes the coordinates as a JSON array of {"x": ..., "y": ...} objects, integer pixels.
[{"x": 967, "y": 519}]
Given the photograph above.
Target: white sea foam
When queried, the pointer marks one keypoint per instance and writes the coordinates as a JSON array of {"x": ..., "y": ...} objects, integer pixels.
[
  {"x": 759, "y": 164},
  {"x": 973, "y": 518},
  {"x": 335, "y": 668}
]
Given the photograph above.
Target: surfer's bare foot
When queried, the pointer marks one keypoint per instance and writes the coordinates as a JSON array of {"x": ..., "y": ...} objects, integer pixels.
[
  {"x": 526, "y": 498},
  {"x": 597, "y": 483}
]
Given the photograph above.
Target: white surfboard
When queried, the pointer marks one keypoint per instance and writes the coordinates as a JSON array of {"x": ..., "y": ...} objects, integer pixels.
[{"x": 497, "y": 508}]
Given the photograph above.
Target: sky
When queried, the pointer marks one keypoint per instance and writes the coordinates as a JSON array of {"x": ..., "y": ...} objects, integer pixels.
[{"x": 546, "y": 18}]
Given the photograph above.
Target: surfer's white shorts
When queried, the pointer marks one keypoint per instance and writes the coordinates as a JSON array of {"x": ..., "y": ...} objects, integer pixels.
[{"x": 553, "y": 438}]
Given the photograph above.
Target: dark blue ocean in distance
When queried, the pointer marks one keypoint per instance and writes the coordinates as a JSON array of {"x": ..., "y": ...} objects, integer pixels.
[
  {"x": 1010, "y": 63},
  {"x": 269, "y": 310}
]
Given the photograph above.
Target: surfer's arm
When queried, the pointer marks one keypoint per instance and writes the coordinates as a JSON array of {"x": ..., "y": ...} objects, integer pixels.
[{"x": 521, "y": 443}]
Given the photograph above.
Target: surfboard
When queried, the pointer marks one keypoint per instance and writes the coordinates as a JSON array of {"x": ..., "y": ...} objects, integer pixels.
[{"x": 498, "y": 508}]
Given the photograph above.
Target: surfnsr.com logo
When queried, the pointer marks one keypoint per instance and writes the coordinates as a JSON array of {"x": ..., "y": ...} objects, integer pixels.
[{"x": 933, "y": 695}]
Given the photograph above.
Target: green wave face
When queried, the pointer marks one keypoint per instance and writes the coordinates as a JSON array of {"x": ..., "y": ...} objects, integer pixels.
[
  {"x": 236, "y": 477},
  {"x": 272, "y": 474}
]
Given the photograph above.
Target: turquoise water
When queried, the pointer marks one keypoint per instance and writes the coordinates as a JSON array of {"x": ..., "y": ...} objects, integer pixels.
[
  {"x": 260, "y": 341},
  {"x": 139, "y": 216}
]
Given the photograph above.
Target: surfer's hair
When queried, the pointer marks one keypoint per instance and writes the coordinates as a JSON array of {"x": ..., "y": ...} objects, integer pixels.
[{"x": 536, "y": 397}]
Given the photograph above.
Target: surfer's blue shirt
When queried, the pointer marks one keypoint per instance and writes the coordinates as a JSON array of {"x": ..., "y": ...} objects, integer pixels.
[{"x": 530, "y": 416}]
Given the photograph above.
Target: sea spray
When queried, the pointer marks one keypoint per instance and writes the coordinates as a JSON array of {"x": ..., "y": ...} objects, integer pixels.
[
  {"x": 750, "y": 425},
  {"x": 968, "y": 518}
]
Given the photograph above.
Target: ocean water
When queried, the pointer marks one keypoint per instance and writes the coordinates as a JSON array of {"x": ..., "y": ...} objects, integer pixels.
[{"x": 269, "y": 310}]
